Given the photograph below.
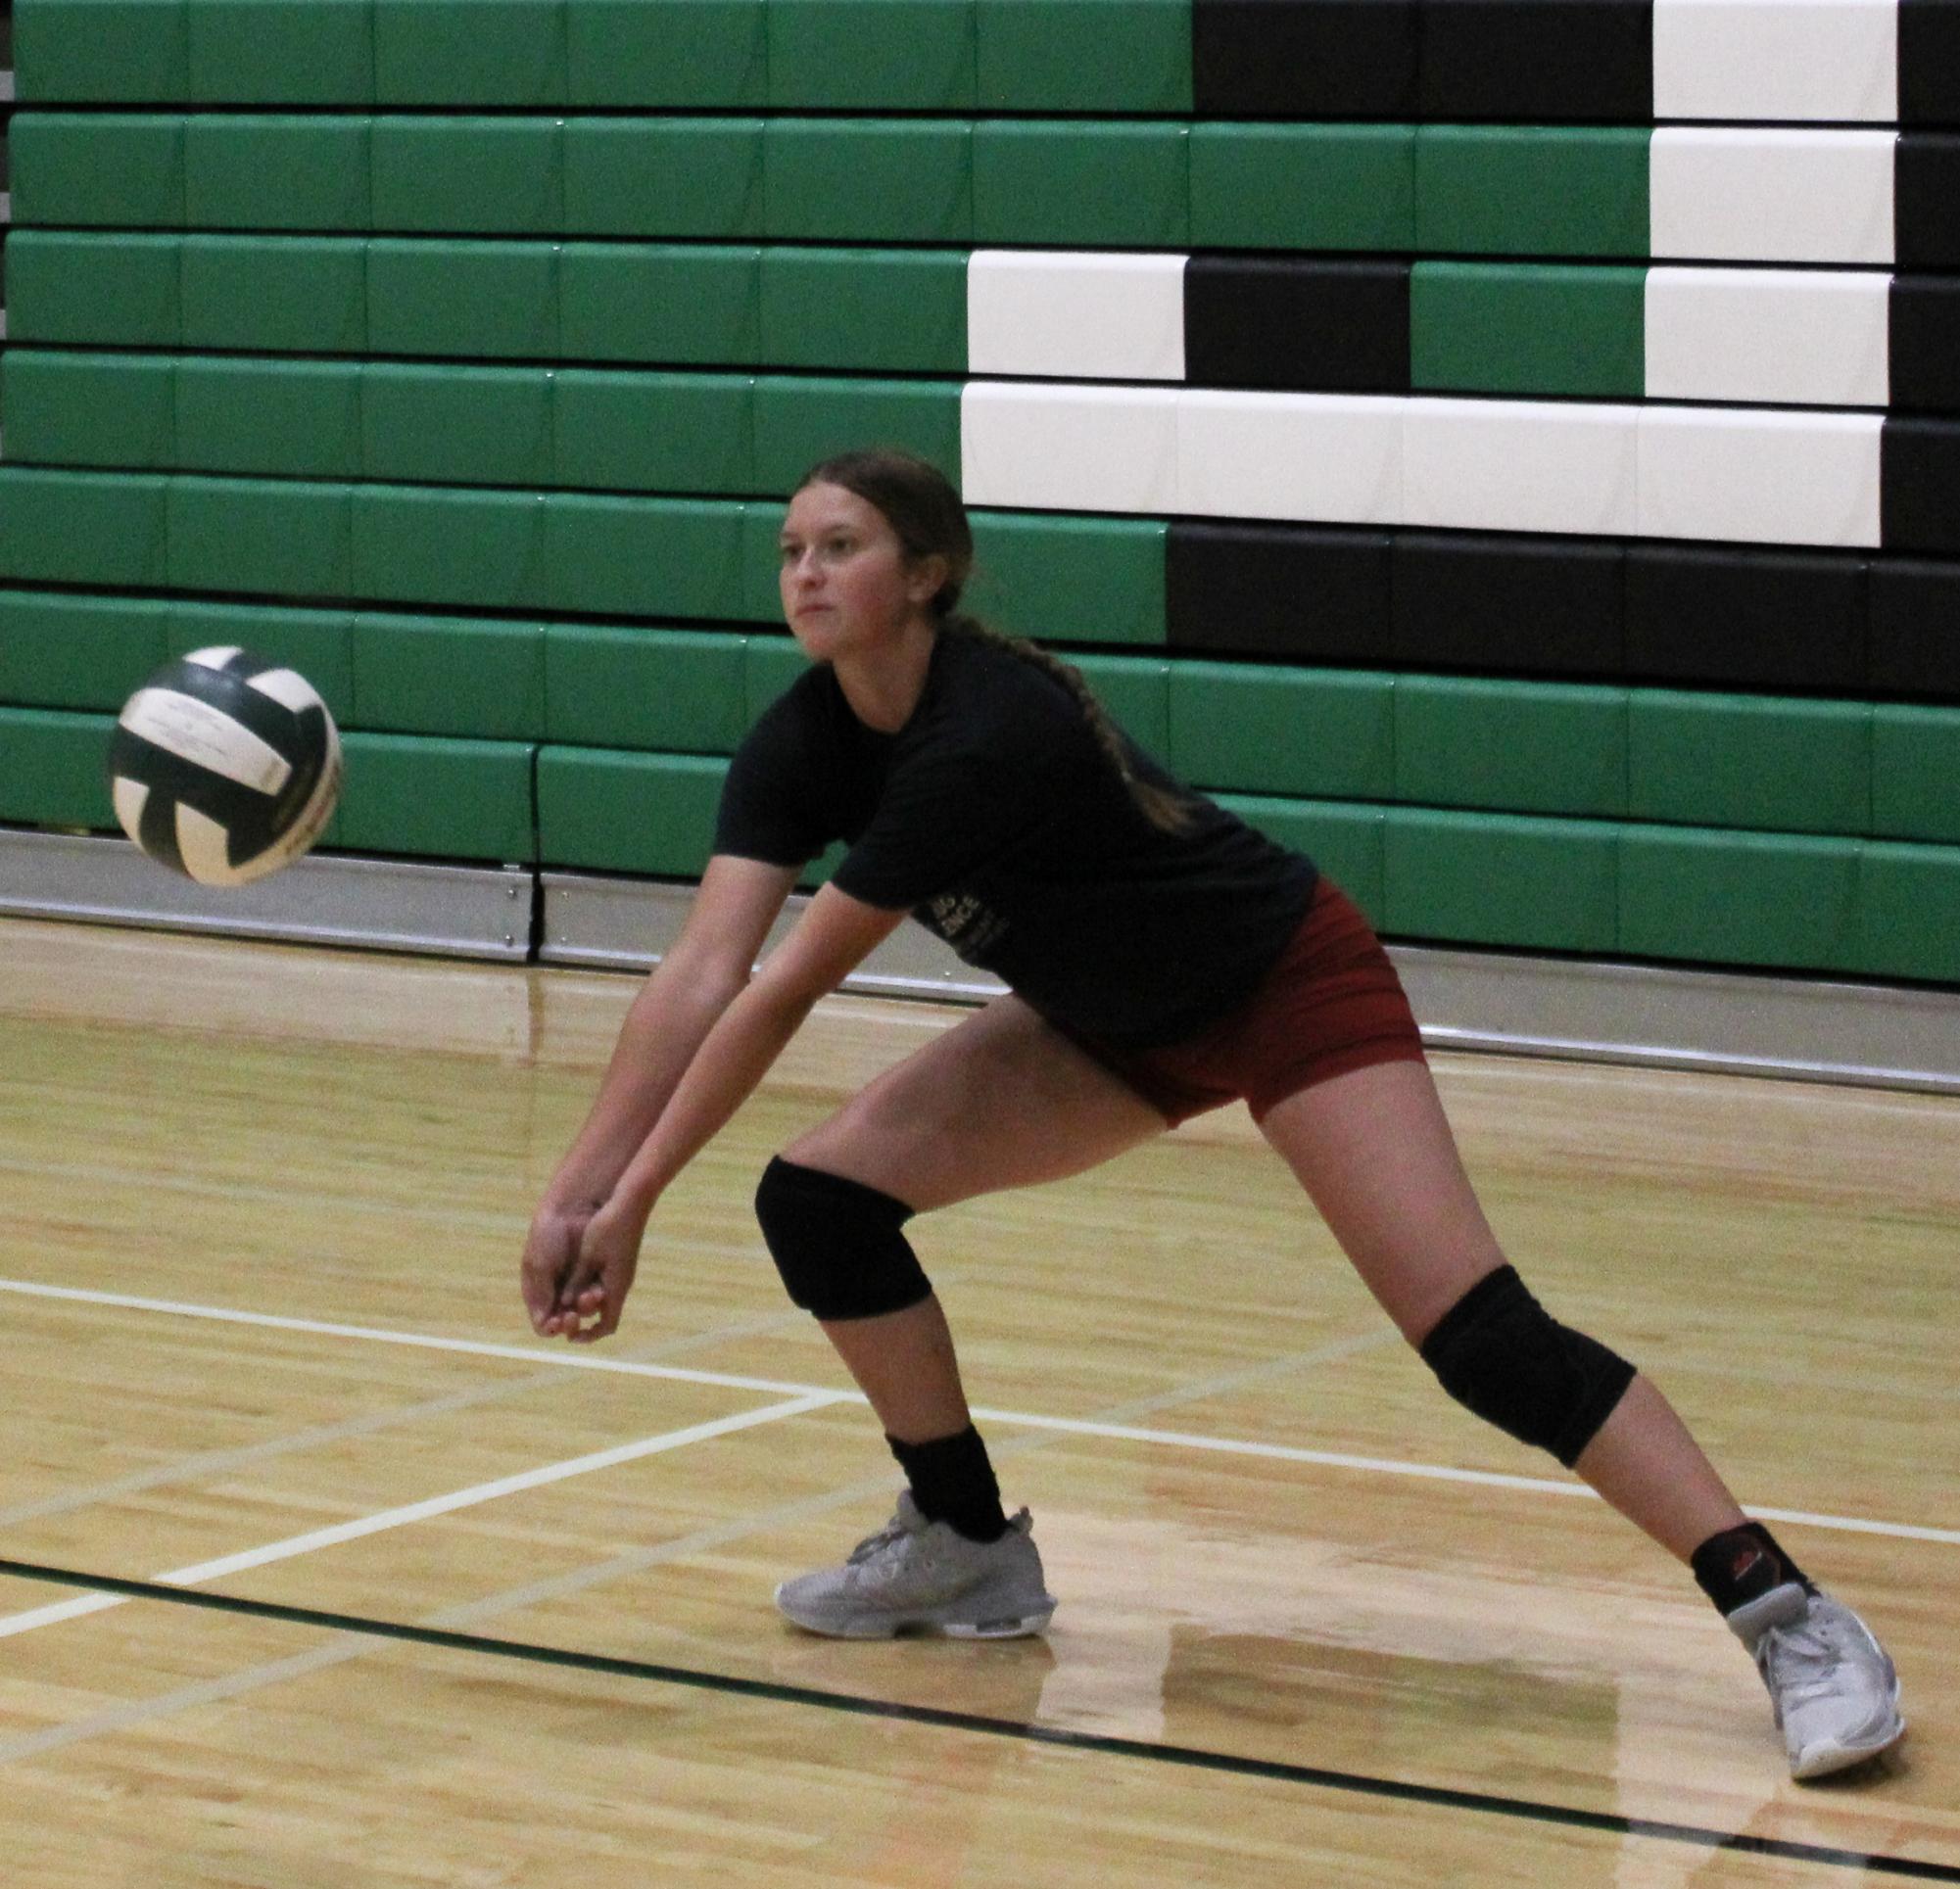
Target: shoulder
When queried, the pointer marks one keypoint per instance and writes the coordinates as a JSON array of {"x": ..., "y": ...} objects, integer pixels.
[
  {"x": 797, "y": 716},
  {"x": 988, "y": 701}
]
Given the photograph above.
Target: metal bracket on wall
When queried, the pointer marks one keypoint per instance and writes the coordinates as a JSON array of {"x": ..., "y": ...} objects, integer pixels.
[
  {"x": 378, "y": 904},
  {"x": 1877, "y": 1035},
  {"x": 1880, "y": 1035}
]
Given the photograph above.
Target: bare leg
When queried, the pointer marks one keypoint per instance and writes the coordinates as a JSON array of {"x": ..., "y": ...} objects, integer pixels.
[
  {"x": 1374, "y": 1151},
  {"x": 904, "y": 1363},
  {"x": 933, "y": 1131}
]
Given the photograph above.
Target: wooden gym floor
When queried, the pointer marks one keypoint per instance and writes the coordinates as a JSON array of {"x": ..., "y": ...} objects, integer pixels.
[{"x": 413, "y": 1598}]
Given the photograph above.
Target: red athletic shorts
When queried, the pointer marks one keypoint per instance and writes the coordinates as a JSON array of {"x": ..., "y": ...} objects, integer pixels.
[{"x": 1332, "y": 1004}]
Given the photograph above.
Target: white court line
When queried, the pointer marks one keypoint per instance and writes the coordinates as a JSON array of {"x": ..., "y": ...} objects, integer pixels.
[
  {"x": 297, "y": 1545},
  {"x": 1120, "y": 1433}
]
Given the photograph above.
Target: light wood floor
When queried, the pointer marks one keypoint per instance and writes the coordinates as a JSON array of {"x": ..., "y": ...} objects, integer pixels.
[{"x": 259, "y": 1214}]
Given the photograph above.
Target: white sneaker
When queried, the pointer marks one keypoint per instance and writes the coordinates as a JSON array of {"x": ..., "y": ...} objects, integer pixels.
[
  {"x": 1834, "y": 1690},
  {"x": 915, "y": 1575}
]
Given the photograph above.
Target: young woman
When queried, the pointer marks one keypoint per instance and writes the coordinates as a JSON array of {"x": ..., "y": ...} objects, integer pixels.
[{"x": 1163, "y": 959}]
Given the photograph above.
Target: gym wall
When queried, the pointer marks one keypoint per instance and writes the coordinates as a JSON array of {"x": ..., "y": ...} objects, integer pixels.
[{"x": 1511, "y": 448}]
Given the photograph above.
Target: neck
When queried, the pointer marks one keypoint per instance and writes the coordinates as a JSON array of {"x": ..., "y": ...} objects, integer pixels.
[{"x": 883, "y": 690}]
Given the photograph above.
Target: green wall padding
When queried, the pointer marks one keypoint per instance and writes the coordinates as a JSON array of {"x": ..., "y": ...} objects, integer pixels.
[
  {"x": 1067, "y": 183},
  {"x": 51, "y": 769},
  {"x": 435, "y": 799},
  {"x": 1303, "y": 186},
  {"x": 1514, "y": 190},
  {"x": 1067, "y": 579},
  {"x": 671, "y": 689},
  {"x": 1523, "y": 747},
  {"x": 1767, "y": 899},
  {"x": 1324, "y": 735},
  {"x": 1501, "y": 880},
  {"x": 1749, "y": 761},
  {"x": 287, "y": 295},
  {"x": 77, "y": 653},
  {"x": 871, "y": 55},
  {"x": 478, "y": 678},
  {"x": 1500, "y": 328},
  {"x": 1083, "y": 55},
  {"x": 616, "y": 812}
]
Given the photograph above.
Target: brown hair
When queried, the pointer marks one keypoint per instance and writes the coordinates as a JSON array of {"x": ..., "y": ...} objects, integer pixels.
[{"x": 925, "y": 512}]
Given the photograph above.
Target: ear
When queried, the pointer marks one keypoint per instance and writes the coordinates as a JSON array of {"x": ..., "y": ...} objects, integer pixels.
[{"x": 926, "y": 577}]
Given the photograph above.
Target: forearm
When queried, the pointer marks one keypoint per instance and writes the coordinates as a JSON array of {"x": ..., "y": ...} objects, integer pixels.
[
  {"x": 733, "y": 1057},
  {"x": 663, "y": 1032}
]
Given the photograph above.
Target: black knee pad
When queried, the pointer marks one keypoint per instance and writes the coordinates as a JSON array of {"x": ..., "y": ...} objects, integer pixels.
[
  {"x": 1497, "y": 1352},
  {"x": 837, "y": 1243}
]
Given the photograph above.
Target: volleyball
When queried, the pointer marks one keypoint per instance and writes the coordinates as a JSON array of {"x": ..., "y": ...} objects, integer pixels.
[{"x": 224, "y": 767}]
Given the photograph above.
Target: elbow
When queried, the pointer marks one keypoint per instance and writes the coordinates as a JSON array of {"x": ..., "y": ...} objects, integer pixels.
[
  {"x": 713, "y": 979},
  {"x": 721, "y": 984}
]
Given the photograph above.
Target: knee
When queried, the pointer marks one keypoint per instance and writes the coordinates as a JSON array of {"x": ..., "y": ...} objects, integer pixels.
[
  {"x": 1501, "y": 1355},
  {"x": 837, "y": 1243}
]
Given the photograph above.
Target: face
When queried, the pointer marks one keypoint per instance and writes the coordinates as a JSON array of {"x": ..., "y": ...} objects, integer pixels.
[{"x": 847, "y": 585}]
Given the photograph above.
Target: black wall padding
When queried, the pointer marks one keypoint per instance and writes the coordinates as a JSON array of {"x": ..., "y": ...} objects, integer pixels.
[
  {"x": 1929, "y": 62},
  {"x": 1925, "y": 204},
  {"x": 1277, "y": 590},
  {"x": 1527, "y": 606},
  {"x": 1926, "y": 343},
  {"x": 1330, "y": 327},
  {"x": 1778, "y": 620},
  {"x": 1304, "y": 59},
  {"x": 1919, "y": 489},
  {"x": 1916, "y": 627},
  {"x": 1535, "y": 60}
]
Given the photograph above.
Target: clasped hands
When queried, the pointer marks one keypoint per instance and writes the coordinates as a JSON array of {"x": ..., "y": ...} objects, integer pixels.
[{"x": 578, "y": 1267}]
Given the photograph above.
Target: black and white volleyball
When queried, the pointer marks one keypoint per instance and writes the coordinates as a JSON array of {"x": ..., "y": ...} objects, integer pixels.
[{"x": 224, "y": 765}]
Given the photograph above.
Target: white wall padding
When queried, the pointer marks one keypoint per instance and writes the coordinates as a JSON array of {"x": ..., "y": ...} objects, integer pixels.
[
  {"x": 1520, "y": 465},
  {"x": 1810, "y": 337},
  {"x": 1069, "y": 449},
  {"x": 1759, "y": 476},
  {"x": 1084, "y": 316},
  {"x": 1319, "y": 458},
  {"x": 1827, "y": 60},
  {"x": 1771, "y": 196}
]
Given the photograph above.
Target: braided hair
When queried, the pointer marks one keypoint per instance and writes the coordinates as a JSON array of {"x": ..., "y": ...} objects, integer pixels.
[{"x": 925, "y": 512}]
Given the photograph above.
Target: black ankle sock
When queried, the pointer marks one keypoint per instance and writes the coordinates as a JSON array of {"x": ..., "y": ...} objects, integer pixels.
[
  {"x": 1742, "y": 1565},
  {"x": 953, "y": 1481}
]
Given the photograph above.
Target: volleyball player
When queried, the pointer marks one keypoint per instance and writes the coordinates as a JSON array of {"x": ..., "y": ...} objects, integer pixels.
[{"x": 1163, "y": 959}]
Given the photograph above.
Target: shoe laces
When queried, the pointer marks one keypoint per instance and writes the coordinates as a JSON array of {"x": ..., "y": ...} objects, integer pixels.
[
  {"x": 1799, "y": 1658},
  {"x": 873, "y": 1545}
]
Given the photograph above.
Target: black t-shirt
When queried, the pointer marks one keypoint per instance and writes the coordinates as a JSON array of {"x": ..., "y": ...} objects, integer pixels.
[{"x": 996, "y": 820}]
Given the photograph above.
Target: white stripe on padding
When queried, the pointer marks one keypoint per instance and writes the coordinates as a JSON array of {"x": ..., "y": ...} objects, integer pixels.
[
  {"x": 130, "y": 797},
  {"x": 1760, "y": 476},
  {"x": 1091, "y": 316},
  {"x": 215, "y": 657},
  {"x": 1335, "y": 458},
  {"x": 205, "y": 847},
  {"x": 286, "y": 685},
  {"x": 1520, "y": 465},
  {"x": 206, "y": 737},
  {"x": 1812, "y": 337},
  {"x": 1724, "y": 195},
  {"x": 1756, "y": 473},
  {"x": 1069, "y": 448},
  {"x": 1822, "y": 60}
]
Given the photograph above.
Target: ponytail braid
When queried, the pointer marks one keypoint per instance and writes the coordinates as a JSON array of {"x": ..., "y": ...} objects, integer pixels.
[{"x": 1166, "y": 809}]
